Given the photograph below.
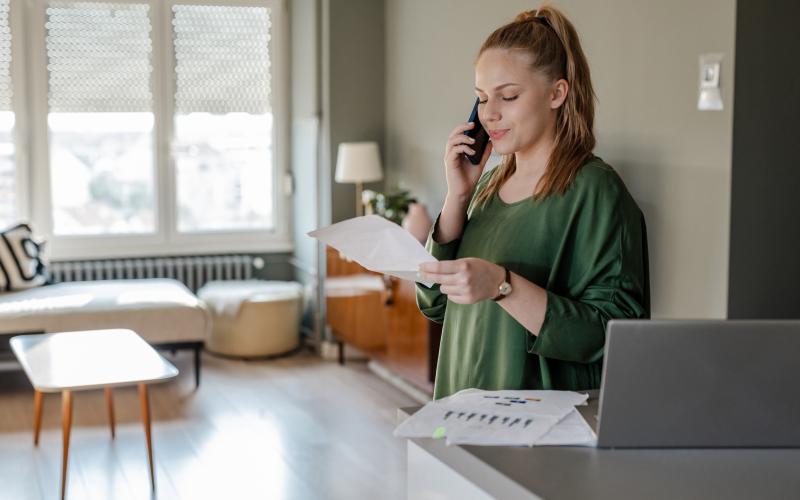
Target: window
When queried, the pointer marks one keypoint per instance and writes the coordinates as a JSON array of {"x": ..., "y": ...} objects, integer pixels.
[
  {"x": 8, "y": 168},
  {"x": 157, "y": 126},
  {"x": 223, "y": 121},
  {"x": 100, "y": 118}
]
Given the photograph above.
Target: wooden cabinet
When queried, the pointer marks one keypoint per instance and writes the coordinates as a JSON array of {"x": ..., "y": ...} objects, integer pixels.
[
  {"x": 354, "y": 299},
  {"x": 378, "y": 315}
]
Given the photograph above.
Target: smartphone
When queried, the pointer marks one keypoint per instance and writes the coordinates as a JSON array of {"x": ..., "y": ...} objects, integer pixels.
[{"x": 479, "y": 134}]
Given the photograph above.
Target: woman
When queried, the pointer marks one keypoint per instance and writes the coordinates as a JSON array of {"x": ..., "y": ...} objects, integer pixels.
[{"x": 538, "y": 254}]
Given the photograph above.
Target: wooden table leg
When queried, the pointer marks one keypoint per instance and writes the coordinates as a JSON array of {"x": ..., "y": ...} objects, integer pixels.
[
  {"x": 37, "y": 416},
  {"x": 110, "y": 408},
  {"x": 66, "y": 426},
  {"x": 145, "y": 404}
]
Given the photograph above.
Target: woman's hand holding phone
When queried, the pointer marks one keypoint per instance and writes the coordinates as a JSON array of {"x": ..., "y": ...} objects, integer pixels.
[{"x": 461, "y": 175}]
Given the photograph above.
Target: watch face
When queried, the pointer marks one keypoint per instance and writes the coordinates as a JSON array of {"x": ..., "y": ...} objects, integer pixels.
[{"x": 505, "y": 288}]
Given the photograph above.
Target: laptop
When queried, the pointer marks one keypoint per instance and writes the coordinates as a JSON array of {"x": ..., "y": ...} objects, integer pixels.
[{"x": 705, "y": 384}]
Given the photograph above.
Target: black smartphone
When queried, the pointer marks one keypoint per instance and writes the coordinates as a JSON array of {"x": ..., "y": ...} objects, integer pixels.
[{"x": 479, "y": 134}]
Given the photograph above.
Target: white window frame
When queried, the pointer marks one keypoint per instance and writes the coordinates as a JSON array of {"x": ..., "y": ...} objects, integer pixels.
[
  {"x": 18, "y": 105},
  {"x": 166, "y": 240}
]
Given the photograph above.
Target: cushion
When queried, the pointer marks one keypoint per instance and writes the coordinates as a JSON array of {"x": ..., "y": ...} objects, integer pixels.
[
  {"x": 253, "y": 318},
  {"x": 225, "y": 297},
  {"x": 159, "y": 310},
  {"x": 22, "y": 262}
]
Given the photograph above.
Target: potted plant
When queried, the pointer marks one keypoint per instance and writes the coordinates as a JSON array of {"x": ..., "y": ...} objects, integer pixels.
[
  {"x": 391, "y": 205},
  {"x": 399, "y": 207}
]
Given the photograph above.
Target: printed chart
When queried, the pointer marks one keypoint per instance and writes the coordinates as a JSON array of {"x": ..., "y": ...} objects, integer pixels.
[{"x": 525, "y": 418}]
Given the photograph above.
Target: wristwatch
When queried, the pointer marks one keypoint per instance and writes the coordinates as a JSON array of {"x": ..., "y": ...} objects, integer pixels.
[{"x": 505, "y": 287}]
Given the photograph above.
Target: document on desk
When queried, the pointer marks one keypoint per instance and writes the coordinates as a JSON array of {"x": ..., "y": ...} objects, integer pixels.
[
  {"x": 377, "y": 244},
  {"x": 571, "y": 431},
  {"x": 511, "y": 418}
]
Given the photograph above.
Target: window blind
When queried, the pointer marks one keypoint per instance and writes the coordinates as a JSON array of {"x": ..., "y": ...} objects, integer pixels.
[
  {"x": 98, "y": 57},
  {"x": 5, "y": 57},
  {"x": 222, "y": 61}
]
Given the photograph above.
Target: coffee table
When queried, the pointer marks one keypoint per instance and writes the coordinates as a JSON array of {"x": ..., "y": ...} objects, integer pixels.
[{"x": 76, "y": 361}]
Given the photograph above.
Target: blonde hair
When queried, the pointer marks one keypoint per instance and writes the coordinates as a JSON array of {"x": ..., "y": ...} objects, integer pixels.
[{"x": 550, "y": 38}]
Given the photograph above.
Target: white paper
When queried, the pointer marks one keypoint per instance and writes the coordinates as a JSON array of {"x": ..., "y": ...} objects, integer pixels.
[
  {"x": 513, "y": 418},
  {"x": 377, "y": 244},
  {"x": 573, "y": 430}
]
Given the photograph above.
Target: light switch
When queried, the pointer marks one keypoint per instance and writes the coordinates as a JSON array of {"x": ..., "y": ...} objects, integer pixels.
[{"x": 710, "y": 91}]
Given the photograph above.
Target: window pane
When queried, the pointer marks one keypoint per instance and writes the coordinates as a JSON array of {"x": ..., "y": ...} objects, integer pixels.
[
  {"x": 8, "y": 171},
  {"x": 100, "y": 119},
  {"x": 223, "y": 122},
  {"x": 102, "y": 173},
  {"x": 224, "y": 177}
]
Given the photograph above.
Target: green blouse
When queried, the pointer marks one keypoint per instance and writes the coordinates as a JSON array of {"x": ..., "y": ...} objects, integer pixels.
[{"x": 587, "y": 249}]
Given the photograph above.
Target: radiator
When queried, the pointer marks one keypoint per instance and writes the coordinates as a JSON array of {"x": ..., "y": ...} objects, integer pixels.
[{"x": 193, "y": 271}]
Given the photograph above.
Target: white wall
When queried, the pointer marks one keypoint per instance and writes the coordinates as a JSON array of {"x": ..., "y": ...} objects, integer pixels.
[{"x": 675, "y": 159}]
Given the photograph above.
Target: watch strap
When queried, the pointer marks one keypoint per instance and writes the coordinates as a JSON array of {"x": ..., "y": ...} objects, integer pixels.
[{"x": 507, "y": 279}]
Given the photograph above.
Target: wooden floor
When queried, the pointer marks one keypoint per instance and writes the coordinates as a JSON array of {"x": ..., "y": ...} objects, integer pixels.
[{"x": 296, "y": 427}]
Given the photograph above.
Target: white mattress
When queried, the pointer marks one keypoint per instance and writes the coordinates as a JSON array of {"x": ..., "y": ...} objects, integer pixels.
[{"x": 159, "y": 310}]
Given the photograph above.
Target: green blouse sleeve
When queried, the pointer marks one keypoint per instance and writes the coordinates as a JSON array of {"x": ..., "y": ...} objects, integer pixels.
[
  {"x": 431, "y": 302},
  {"x": 603, "y": 275}
]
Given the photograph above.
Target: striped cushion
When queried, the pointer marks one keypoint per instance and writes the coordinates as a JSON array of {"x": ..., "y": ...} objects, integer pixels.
[{"x": 22, "y": 261}]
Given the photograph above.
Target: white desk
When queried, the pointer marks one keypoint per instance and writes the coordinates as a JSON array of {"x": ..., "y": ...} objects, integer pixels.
[
  {"x": 436, "y": 471},
  {"x": 76, "y": 361}
]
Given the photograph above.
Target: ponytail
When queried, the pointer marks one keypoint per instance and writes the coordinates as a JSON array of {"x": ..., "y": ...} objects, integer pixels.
[{"x": 551, "y": 39}]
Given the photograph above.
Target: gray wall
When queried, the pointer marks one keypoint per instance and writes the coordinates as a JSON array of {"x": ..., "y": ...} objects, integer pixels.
[
  {"x": 305, "y": 128},
  {"x": 354, "y": 86},
  {"x": 305, "y": 131},
  {"x": 765, "y": 234},
  {"x": 338, "y": 95},
  {"x": 277, "y": 266},
  {"x": 675, "y": 159}
]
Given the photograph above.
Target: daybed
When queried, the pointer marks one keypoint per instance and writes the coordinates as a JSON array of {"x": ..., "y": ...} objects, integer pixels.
[{"x": 162, "y": 311}]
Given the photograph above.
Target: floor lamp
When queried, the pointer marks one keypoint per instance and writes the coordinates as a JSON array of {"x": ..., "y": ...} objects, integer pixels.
[{"x": 358, "y": 162}]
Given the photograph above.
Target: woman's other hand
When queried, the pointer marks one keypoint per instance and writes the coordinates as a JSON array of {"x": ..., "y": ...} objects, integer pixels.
[
  {"x": 464, "y": 281},
  {"x": 462, "y": 176}
]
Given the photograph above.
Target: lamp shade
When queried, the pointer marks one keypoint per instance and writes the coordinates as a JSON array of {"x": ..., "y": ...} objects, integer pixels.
[{"x": 358, "y": 162}]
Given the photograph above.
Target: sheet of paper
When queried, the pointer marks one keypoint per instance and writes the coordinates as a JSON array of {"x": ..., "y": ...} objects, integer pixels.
[
  {"x": 377, "y": 244},
  {"x": 572, "y": 431},
  {"x": 479, "y": 417}
]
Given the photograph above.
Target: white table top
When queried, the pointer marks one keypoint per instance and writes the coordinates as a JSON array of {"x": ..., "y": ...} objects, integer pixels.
[{"x": 89, "y": 360}]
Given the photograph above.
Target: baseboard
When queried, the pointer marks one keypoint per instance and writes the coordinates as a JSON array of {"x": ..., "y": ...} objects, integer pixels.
[
  {"x": 329, "y": 351},
  {"x": 389, "y": 376},
  {"x": 9, "y": 365},
  {"x": 307, "y": 337}
]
